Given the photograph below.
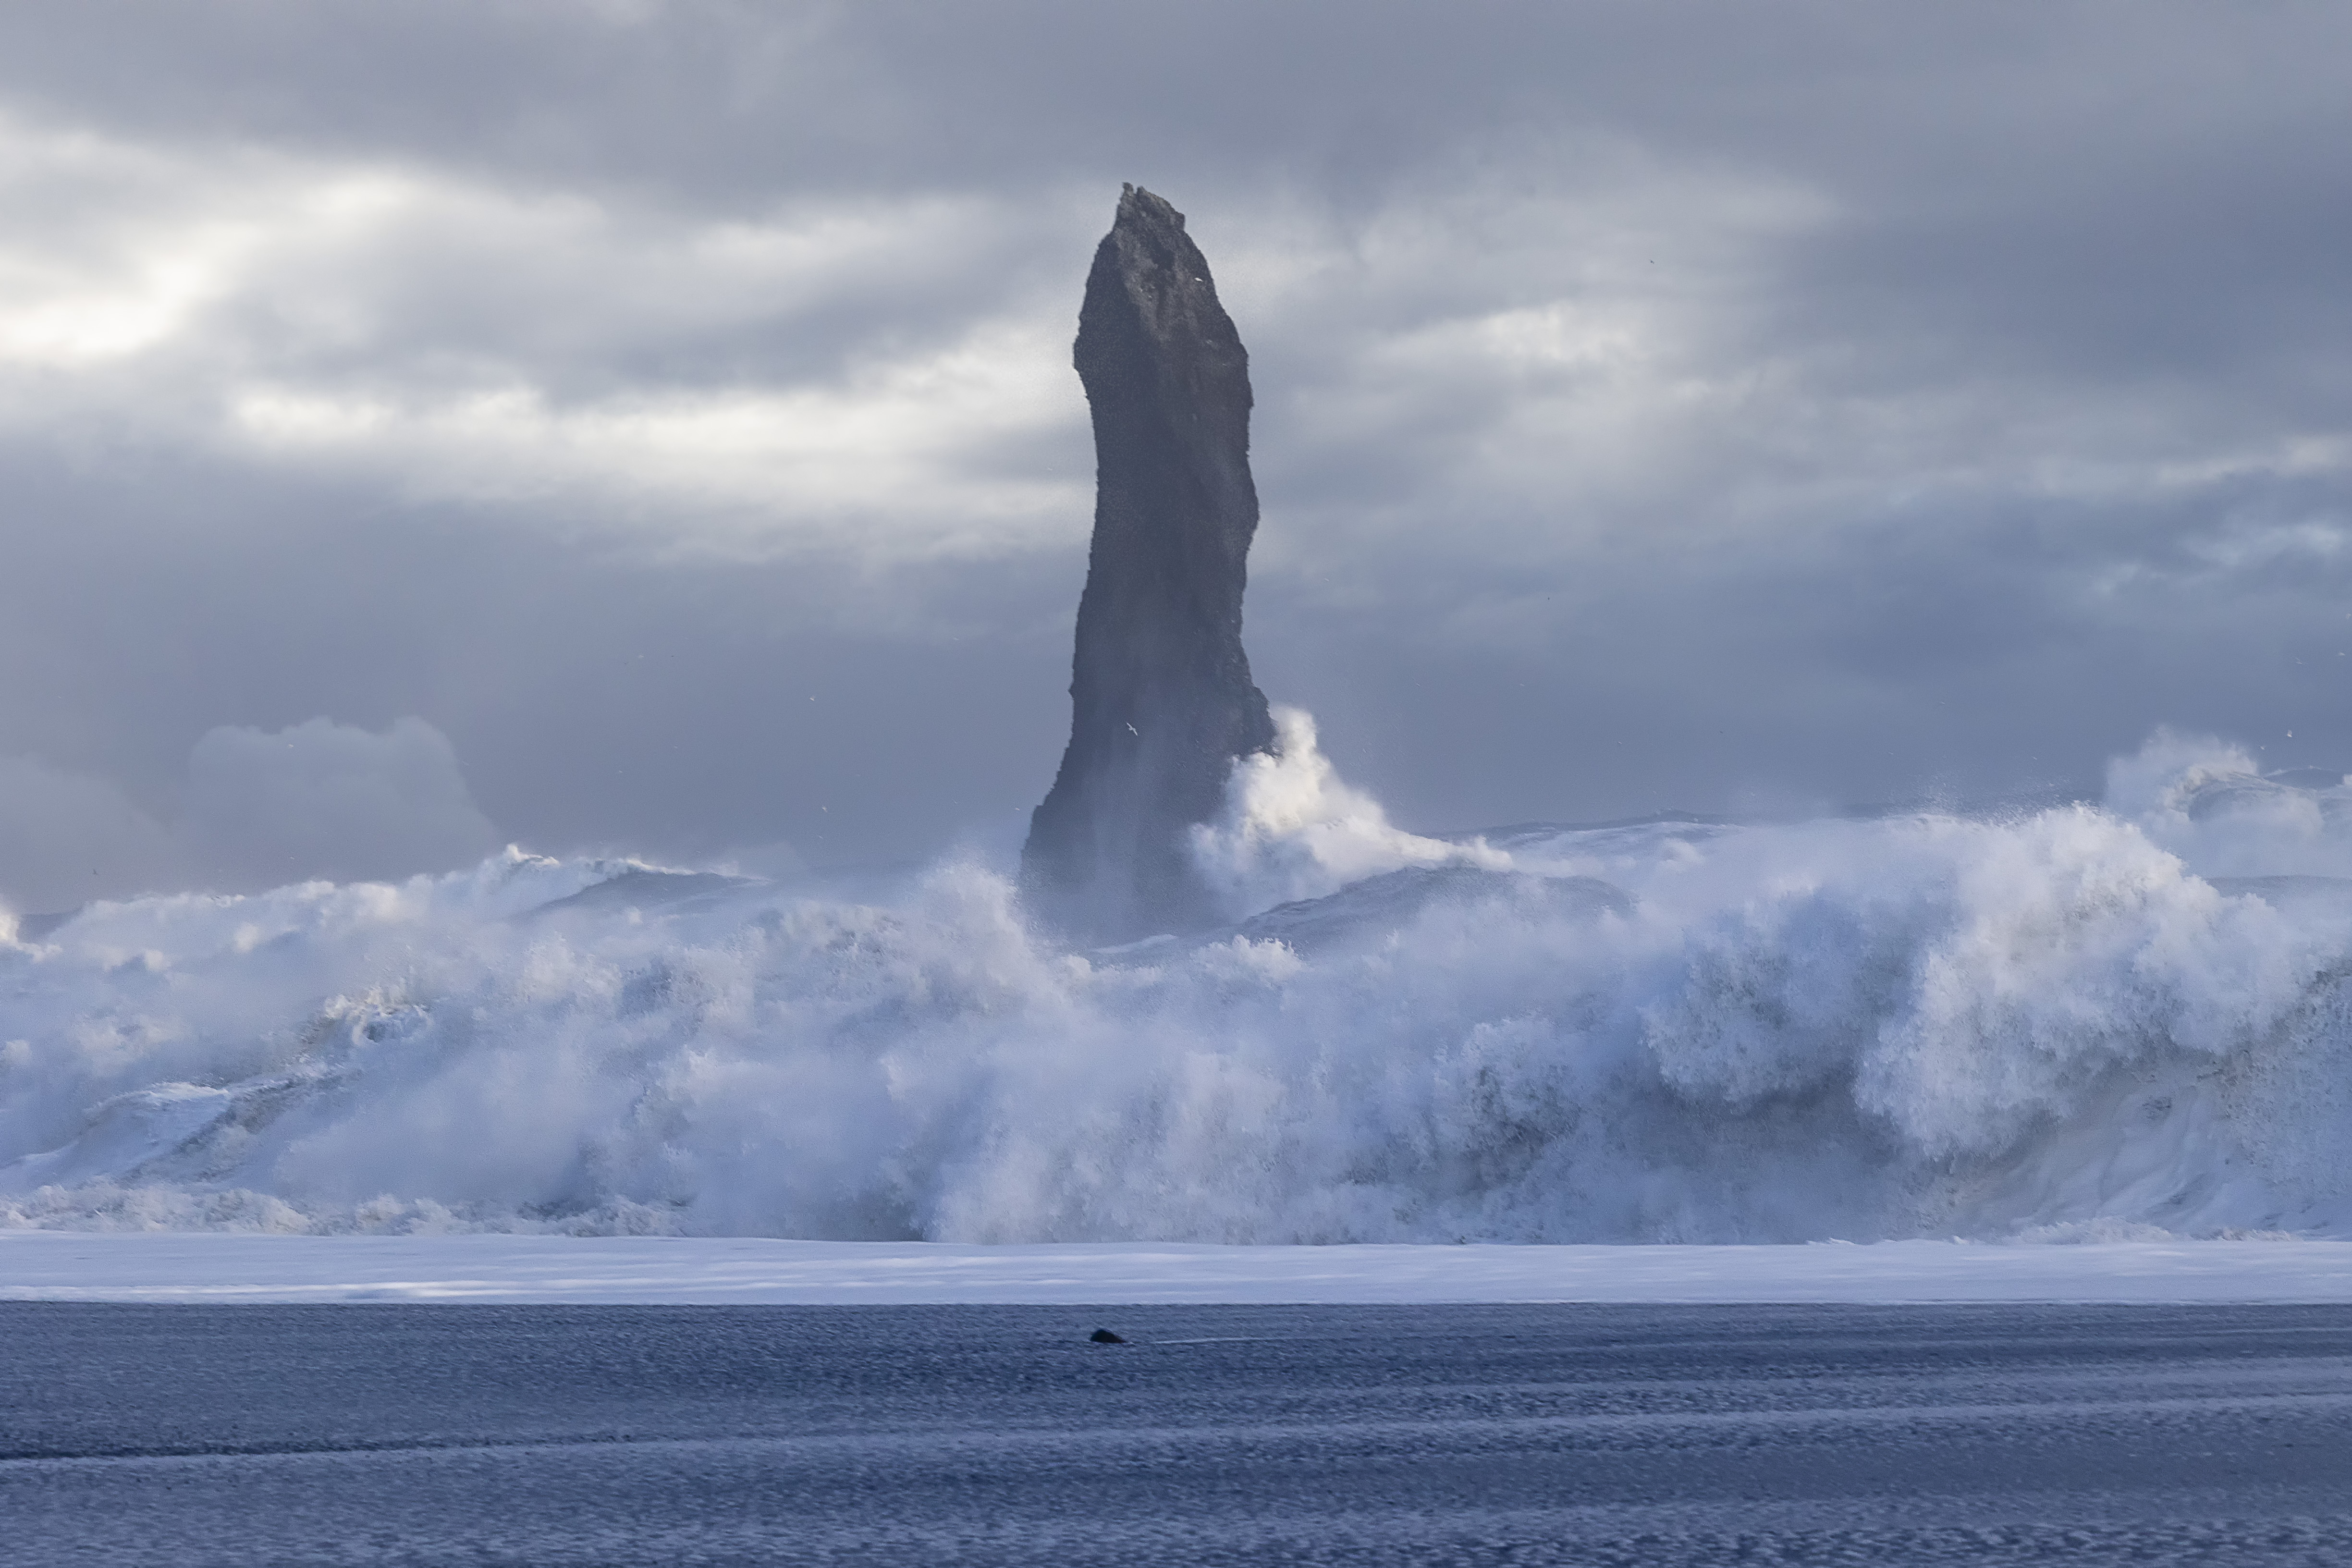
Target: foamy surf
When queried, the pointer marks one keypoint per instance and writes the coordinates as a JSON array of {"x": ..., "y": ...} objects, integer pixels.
[
  {"x": 2053, "y": 1025},
  {"x": 50, "y": 1266}
]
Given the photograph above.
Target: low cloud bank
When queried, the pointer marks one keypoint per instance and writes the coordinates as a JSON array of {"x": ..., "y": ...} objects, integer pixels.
[{"x": 259, "y": 808}]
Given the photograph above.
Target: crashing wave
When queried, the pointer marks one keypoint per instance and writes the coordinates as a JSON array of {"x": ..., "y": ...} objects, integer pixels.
[{"x": 2068, "y": 1022}]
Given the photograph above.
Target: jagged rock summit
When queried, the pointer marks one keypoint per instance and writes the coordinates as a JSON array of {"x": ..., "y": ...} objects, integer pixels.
[{"x": 1160, "y": 693}]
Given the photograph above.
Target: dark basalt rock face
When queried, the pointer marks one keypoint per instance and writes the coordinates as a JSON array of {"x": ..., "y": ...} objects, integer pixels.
[{"x": 1161, "y": 693}]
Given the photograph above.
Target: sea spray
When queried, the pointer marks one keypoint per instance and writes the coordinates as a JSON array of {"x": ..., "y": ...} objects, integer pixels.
[
  {"x": 1292, "y": 829},
  {"x": 1923, "y": 1024}
]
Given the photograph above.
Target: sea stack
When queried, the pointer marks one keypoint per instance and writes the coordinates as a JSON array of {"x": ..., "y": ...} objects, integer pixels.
[{"x": 1160, "y": 693}]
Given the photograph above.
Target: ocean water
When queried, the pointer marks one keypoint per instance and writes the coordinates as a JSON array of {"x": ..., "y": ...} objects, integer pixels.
[{"x": 2096, "y": 1021}]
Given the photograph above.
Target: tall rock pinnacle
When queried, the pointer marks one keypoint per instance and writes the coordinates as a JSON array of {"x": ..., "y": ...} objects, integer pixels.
[{"x": 1161, "y": 693}]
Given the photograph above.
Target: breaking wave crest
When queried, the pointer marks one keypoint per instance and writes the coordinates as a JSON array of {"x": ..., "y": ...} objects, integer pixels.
[{"x": 2082, "y": 1021}]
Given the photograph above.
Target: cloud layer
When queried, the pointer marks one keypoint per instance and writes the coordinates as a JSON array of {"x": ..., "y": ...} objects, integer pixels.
[{"x": 1671, "y": 406}]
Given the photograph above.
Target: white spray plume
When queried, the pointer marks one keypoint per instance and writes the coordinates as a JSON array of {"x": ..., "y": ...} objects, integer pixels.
[
  {"x": 2209, "y": 802},
  {"x": 1292, "y": 828}
]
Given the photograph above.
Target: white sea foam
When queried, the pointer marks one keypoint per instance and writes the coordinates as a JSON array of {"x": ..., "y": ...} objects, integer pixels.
[
  {"x": 2076, "y": 1023},
  {"x": 1293, "y": 829}
]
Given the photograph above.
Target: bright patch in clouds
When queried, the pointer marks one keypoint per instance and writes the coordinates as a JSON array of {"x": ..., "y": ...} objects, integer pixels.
[
  {"x": 880, "y": 462},
  {"x": 885, "y": 379},
  {"x": 458, "y": 340}
]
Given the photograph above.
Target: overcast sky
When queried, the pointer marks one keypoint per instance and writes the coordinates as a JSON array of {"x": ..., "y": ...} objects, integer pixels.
[{"x": 650, "y": 426}]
